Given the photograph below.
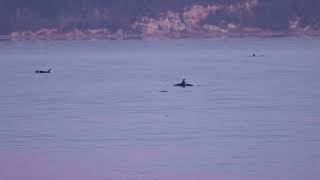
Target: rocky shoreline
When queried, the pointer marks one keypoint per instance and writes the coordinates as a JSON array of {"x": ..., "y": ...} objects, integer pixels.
[
  {"x": 196, "y": 21},
  {"x": 104, "y": 34},
  {"x": 186, "y": 20}
]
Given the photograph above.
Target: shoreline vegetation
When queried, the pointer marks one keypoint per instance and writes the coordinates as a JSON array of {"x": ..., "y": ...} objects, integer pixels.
[{"x": 134, "y": 19}]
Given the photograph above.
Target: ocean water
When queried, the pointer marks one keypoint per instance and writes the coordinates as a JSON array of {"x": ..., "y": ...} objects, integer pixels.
[{"x": 101, "y": 115}]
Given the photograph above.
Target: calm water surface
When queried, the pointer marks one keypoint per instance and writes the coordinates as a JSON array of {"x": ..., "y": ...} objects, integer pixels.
[{"x": 100, "y": 114}]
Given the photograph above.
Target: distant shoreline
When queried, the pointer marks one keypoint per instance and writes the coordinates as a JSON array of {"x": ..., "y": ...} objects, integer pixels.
[{"x": 81, "y": 35}]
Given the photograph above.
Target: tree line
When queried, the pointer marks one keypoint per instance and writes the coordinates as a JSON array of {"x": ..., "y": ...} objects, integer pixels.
[{"x": 22, "y": 15}]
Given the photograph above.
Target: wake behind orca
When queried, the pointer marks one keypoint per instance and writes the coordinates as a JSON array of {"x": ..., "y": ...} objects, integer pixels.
[
  {"x": 43, "y": 72},
  {"x": 183, "y": 84}
]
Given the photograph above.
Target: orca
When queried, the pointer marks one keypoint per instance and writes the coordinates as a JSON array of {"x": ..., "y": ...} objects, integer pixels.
[
  {"x": 43, "y": 72},
  {"x": 254, "y": 55},
  {"x": 183, "y": 84}
]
